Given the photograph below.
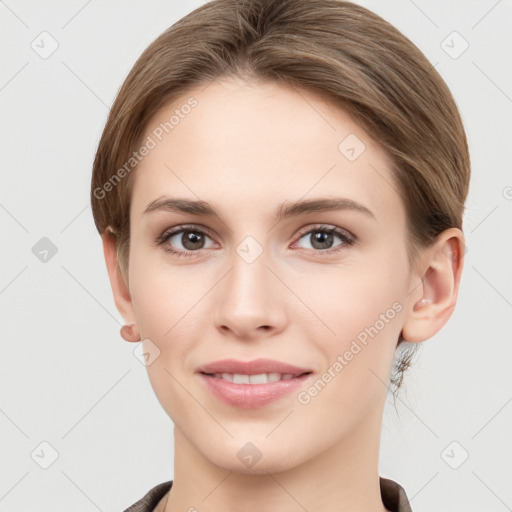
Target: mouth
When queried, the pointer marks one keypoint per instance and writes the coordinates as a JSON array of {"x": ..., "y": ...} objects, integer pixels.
[
  {"x": 258, "y": 378},
  {"x": 251, "y": 368},
  {"x": 251, "y": 384}
]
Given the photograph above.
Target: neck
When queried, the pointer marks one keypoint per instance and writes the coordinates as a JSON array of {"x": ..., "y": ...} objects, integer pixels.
[{"x": 342, "y": 478}]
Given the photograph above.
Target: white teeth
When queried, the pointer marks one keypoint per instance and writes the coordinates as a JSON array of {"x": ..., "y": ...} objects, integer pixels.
[
  {"x": 260, "y": 378},
  {"x": 240, "y": 379}
]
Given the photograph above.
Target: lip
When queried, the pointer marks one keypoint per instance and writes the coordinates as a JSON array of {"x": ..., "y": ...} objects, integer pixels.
[
  {"x": 253, "y": 367},
  {"x": 250, "y": 396}
]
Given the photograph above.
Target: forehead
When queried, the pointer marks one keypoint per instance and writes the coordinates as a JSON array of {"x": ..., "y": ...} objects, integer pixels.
[{"x": 260, "y": 141}]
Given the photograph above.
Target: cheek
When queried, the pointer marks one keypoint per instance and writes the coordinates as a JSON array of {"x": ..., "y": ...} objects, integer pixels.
[
  {"x": 163, "y": 302},
  {"x": 355, "y": 326},
  {"x": 167, "y": 303},
  {"x": 346, "y": 300},
  {"x": 162, "y": 295},
  {"x": 365, "y": 319}
]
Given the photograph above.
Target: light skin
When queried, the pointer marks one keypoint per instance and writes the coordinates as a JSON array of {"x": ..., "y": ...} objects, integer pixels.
[{"x": 248, "y": 147}]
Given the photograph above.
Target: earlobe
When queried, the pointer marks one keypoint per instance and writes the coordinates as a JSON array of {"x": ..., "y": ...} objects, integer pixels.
[
  {"x": 432, "y": 301},
  {"x": 130, "y": 333},
  {"x": 120, "y": 289}
]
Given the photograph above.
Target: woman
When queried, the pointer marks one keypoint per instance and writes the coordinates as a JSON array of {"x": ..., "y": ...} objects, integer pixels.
[{"x": 280, "y": 188}]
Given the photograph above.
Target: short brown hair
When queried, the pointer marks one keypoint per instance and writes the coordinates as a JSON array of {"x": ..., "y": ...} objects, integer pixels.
[{"x": 334, "y": 48}]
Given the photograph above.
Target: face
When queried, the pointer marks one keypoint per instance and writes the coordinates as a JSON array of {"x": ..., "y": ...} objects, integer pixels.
[{"x": 323, "y": 288}]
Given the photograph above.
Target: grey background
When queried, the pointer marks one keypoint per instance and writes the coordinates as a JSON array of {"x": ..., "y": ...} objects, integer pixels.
[{"x": 67, "y": 377}]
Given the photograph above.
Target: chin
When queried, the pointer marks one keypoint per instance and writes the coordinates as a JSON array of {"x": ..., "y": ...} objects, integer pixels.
[{"x": 256, "y": 458}]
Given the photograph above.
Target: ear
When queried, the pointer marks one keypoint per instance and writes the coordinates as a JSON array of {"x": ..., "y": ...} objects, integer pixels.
[
  {"x": 120, "y": 289},
  {"x": 433, "y": 299}
]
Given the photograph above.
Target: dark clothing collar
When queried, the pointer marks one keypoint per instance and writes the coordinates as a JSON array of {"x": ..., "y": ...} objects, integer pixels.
[{"x": 393, "y": 496}]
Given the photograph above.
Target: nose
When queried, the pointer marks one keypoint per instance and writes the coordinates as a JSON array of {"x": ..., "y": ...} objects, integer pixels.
[{"x": 250, "y": 300}]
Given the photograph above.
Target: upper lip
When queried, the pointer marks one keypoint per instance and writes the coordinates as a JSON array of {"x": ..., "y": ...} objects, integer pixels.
[{"x": 254, "y": 367}]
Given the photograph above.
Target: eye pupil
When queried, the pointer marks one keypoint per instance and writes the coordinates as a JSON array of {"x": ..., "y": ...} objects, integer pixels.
[
  {"x": 190, "y": 240},
  {"x": 323, "y": 238}
]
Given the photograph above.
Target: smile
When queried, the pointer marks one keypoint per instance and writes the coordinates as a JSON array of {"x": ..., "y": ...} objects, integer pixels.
[
  {"x": 252, "y": 391},
  {"x": 259, "y": 378}
]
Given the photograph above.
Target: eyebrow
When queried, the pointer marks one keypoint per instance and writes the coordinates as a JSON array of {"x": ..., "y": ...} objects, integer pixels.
[{"x": 286, "y": 210}]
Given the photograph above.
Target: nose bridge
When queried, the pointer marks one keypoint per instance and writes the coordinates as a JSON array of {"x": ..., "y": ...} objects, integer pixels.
[
  {"x": 249, "y": 295},
  {"x": 248, "y": 281}
]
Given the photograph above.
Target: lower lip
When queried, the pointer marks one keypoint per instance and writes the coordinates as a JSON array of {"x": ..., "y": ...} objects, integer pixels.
[{"x": 250, "y": 396}]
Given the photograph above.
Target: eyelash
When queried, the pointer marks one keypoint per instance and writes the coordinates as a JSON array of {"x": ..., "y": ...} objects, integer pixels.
[{"x": 346, "y": 238}]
